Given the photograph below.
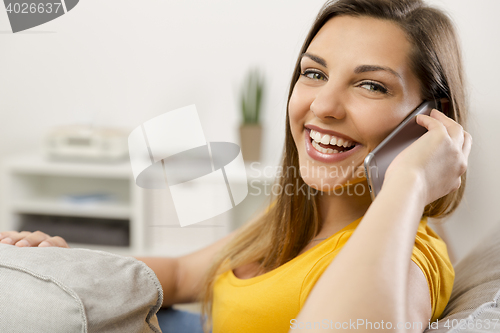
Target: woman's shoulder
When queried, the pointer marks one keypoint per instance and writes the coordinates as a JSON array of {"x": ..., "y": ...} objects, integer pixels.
[
  {"x": 430, "y": 253},
  {"x": 430, "y": 244}
]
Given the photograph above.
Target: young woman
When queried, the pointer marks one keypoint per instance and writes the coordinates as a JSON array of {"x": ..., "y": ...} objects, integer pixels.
[{"x": 323, "y": 255}]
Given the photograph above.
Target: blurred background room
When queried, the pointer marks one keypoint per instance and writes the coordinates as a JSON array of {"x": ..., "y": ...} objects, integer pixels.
[{"x": 94, "y": 74}]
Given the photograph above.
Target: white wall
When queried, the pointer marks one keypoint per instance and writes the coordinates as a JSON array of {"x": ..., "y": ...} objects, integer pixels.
[
  {"x": 478, "y": 26},
  {"x": 121, "y": 62}
]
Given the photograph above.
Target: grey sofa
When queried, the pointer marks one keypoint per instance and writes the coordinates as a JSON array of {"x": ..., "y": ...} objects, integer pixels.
[
  {"x": 58, "y": 290},
  {"x": 474, "y": 302}
]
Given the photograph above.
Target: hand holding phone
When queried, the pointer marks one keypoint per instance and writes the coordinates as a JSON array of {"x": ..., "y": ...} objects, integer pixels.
[{"x": 377, "y": 162}]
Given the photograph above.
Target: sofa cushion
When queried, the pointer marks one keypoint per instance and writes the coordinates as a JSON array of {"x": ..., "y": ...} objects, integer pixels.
[
  {"x": 474, "y": 302},
  {"x": 63, "y": 290}
]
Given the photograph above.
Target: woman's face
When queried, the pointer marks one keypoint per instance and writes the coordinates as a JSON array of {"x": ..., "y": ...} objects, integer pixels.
[{"x": 355, "y": 87}]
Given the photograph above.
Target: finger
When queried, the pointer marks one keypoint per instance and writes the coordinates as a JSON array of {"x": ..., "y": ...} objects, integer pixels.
[
  {"x": 5, "y": 234},
  {"x": 14, "y": 237},
  {"x": 32, "y": 239},
  {"x": 467, "y": 144},
  {"x": 430, "y": 123},
  {"x": 54, "y": 241},
  {"x": 5, "y": 237},
  {"x": 455, "y": 130}
]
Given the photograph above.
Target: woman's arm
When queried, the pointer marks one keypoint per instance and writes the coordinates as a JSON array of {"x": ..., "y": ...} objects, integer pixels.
[
  {"x": 369, "y": 279},
  {"x": 181, "y": 277}
]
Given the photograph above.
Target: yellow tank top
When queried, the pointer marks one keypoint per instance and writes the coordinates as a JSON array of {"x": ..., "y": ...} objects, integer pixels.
[{"x": 268, "y": 302}]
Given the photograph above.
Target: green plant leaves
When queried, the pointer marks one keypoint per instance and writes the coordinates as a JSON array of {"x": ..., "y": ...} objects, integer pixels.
[{"x": 251, "y": 97}]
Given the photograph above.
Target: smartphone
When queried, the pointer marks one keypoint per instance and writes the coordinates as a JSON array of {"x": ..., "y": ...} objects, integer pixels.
[{"x": 377, "y": 162}]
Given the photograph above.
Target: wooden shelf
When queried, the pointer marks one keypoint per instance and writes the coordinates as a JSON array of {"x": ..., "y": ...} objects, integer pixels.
[
  {"x": 49, "y": 191},
  {"x": 49, "y": 206},
  {"x": 35, "y": 164}
]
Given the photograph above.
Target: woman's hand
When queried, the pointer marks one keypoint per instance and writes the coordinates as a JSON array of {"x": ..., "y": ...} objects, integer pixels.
[
  {"x": 27, "y": 239},
  {"x": 437, "y": 159}
]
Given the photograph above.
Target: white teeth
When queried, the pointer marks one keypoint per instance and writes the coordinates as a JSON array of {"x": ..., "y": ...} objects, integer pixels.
[
  {"x": 324, "y": 150},
  {"x": 328, "y": 139},
  {"x": 312, "y": 134},
  {"x": 325, "y": 140}
]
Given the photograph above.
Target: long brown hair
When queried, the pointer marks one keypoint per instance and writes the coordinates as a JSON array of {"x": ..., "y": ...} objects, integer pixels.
[{"x": 279, "y": 234}]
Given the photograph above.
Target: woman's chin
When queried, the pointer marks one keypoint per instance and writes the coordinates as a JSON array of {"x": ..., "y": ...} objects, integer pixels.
[{"x": 350, "y": 187}]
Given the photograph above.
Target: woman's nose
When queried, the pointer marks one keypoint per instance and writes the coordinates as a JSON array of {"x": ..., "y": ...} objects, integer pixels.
[{"x": 328, "y": 104}]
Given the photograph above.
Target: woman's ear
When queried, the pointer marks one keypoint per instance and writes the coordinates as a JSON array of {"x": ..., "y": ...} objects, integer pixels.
[{"x": 445, "y": 106}]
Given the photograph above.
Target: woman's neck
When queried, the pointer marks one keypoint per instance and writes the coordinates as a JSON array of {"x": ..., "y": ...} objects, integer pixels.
[{"x": 338, "y": 211}]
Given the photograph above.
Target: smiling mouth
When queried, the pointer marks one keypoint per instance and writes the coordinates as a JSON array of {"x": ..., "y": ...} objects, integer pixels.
[{"x": 329, "y": 144}]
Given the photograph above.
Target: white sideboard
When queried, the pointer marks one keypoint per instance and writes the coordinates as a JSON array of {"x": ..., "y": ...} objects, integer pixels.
[{"x": 102, "y": 201}]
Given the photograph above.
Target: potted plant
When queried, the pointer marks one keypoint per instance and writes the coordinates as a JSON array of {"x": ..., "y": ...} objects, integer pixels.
[{"x": 251, "y": 105}]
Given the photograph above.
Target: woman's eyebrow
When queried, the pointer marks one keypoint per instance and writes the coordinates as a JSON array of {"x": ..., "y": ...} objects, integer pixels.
[
  {"x": 357, "y": 70},
  {"x": 373, "y": 68},
  {"x": 315, "y": 58}
]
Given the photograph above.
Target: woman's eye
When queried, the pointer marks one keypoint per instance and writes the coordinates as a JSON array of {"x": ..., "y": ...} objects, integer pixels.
[
  {"x": 313, "y": 75},
  {"x": 373, "y": 87}
]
